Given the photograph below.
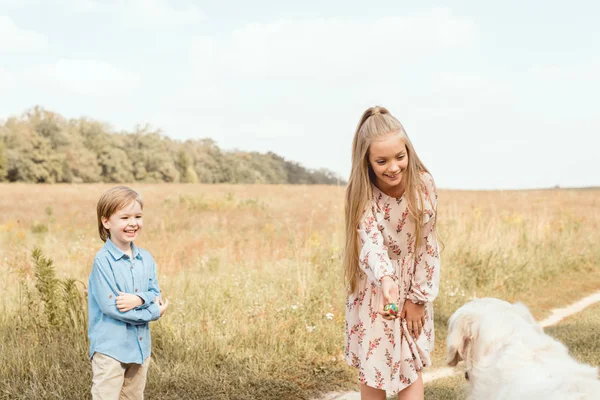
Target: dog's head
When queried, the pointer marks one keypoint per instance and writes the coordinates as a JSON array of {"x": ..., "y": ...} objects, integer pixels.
[
  {"x": 462, "y": 331},
  {"x": 485, "y": 322}
]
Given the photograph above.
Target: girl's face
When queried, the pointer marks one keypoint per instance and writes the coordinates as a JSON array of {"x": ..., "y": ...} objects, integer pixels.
[
  {"x": 125, "y": 225},
  {"x": 389, "y": 159}
]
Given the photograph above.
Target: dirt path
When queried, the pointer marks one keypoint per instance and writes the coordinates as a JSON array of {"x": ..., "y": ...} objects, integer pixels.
[{"x": 557, "y": 315}]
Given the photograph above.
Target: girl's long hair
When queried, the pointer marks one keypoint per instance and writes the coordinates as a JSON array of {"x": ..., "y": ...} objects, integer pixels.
[{"x": 374, "y": 123}]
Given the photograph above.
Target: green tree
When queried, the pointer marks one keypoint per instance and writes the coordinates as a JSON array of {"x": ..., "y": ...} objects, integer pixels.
[
  {"x": 2, "y": 161},
  {"x": 43, "y": 147},
  {"x": 208, "y": 160},
  {"x": 153, "y": 156},
  {"x": 30, "y": 158},
  {"x": 187, "y": 174},
  {"x": 115, "y": 166},
  {"x": 49, "y": 125},
  {"x": 81, "y": 166}
]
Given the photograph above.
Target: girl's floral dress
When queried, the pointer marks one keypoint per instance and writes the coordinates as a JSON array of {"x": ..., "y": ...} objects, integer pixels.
[{"x": 384, "y": 352}]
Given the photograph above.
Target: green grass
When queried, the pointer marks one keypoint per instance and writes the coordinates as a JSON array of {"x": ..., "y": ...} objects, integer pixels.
[
  {"x": 581, "y": 334},
  {"x": 451, "y": 388}
]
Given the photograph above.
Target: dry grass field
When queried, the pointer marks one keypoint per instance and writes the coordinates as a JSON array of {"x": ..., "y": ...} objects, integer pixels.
[{"x": 252, "y": 272}]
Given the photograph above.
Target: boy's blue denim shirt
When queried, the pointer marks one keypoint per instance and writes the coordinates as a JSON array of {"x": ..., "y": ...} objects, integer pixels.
[{"x": 124, "y": 336}]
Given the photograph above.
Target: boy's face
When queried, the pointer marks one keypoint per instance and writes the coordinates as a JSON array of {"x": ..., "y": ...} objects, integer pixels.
[{"x": 125, "y": 224}]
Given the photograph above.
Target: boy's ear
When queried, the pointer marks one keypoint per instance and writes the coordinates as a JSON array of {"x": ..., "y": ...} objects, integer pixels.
[{"x": 105, "y": 223}]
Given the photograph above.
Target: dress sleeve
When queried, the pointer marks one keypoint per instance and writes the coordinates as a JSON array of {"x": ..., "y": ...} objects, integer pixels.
[
  {"x": 374, "y": 259},
  {"x": 425, "y": 282}
]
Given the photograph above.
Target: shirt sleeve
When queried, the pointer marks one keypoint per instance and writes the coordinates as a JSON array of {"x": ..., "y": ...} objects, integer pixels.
[
  {"x": 425, "y": 281},
  {"x": 153, "y": 289},
  {"x": 374, "y": 259},
  {"x": 104, "y": 289}
]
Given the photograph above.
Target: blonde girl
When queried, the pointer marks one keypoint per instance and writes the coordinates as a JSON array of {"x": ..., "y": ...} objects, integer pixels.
[{"x": 391, "y": 256}]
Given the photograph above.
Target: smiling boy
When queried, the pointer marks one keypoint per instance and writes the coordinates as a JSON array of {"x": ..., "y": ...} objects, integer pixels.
[{"x": 123, "y": 297}]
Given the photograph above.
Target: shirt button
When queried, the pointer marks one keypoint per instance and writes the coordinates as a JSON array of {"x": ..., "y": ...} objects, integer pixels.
[
  {"x": 136, "y": 290},
  {"x": 140, "y": 338},
  {"x": 110, "y": 296}
]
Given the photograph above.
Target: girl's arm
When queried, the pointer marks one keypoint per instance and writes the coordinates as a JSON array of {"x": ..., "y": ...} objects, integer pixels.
[
  {"x": 426, "y": 279},
  {"x": 153, "y": 289},
  {"x": 104, "y": 289},
  {"x": 374, "y": 259}
]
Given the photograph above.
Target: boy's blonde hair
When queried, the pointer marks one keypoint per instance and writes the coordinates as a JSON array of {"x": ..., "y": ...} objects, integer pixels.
[
  {"x": 111, "y": 201},
  {"x": 375, "y": 123}
]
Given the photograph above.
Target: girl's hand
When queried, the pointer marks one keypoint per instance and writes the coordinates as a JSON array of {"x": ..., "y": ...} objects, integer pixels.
[
  {"x": 128, "y": 301},
  {"x": 415, "y": 317},
  {"x": 389, "y": 287}
]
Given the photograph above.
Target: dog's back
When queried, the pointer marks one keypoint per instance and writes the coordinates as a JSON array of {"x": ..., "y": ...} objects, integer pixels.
[{"x": 534, "y": 368}]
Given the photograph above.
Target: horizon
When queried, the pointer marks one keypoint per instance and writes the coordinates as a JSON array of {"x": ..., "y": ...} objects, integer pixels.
[{"x": 493, "y": 96}]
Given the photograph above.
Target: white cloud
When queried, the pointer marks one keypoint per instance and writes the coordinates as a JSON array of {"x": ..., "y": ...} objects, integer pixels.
[
  {"x": 457, "y": 95},
  {"x": 11, "y": 3},
  {"x": 589, "y": 71},
  {"x": 14, "y": 39},
  {"x": 7, "y": 79},
  {"x": 270, "y": 128},
  {"x": 332, "y": 48},
  {"x": 85, "y": 77},
  {"x": 271, "y": 85},
  {"x": 143, "y": 12},
  {"x": 469, "y": 82}
]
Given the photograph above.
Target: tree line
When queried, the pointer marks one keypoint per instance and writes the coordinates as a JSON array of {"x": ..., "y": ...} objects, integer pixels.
[{"x": 41, "y": 146}]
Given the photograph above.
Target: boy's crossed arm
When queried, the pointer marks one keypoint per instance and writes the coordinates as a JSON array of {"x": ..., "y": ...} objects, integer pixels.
[
  {"x": 104, "y": 289},
  {"x": 127, "y": 301},
  {"x": 148, "y": 297}
]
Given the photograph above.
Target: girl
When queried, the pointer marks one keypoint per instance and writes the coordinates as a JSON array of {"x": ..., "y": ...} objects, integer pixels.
[{"x": 391, "y": 256}]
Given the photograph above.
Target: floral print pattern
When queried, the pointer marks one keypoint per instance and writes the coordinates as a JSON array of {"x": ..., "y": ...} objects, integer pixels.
[{"x": 384, "y": 353}]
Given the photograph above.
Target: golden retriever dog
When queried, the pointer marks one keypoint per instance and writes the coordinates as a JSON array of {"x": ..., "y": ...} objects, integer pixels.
[{"x": 508, "y": 356}]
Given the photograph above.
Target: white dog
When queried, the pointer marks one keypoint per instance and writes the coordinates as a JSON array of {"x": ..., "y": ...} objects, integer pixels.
[{"x": 509, "y": 357}]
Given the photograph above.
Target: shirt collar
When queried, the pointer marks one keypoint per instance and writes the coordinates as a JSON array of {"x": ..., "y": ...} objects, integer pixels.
[
  {"x": 118, "y": 253},
  {"x": 135, "y": 251}
]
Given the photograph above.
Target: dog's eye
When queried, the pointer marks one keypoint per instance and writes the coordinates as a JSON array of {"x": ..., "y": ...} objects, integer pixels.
[{"x": 466, "y": 375}]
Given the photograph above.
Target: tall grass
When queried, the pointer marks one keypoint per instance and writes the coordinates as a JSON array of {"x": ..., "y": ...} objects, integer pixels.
[{"x": 253, "y": 277}]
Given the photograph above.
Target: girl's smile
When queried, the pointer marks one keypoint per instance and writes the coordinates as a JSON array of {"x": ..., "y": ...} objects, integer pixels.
[
  {"x": 388, "y": 160},
  {"x": 393, "y": 176}
]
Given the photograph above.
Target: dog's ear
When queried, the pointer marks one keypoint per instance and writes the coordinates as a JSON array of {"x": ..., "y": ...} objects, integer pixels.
[
  {"x": 456, "y": 354},
  {"x": 458, "y": 340}
]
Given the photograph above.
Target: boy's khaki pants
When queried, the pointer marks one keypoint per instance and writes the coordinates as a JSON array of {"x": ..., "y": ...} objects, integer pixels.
[{"x": 114, "y": 380}]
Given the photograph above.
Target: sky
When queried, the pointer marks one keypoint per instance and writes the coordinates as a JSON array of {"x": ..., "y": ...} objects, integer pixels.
[{"x": 493, "y": 95}]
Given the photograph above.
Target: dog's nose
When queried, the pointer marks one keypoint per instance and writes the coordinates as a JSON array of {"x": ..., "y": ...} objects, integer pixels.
[{"x": 466, "y": 375}]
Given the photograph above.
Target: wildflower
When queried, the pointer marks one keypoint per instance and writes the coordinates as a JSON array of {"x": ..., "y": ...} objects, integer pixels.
[
  {"x": 310, "y": 328},
  {"x": 329, "y": 316}
]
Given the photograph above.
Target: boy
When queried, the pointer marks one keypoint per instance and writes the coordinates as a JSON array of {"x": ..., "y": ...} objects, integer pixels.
[{"x": 123, "y": 297}]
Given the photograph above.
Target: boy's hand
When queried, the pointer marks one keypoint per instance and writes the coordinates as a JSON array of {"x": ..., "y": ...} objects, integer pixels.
[
  {"x": 128, "y": 301},
  {"x": 162, "y": 305},
  {"x": 415, "y": 317}
]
